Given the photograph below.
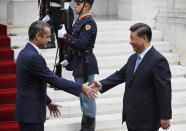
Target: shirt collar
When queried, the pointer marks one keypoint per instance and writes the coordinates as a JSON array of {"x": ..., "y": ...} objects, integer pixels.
[
  {"x": 37, "y": 48},
  {"x": 145, "y": 51}
]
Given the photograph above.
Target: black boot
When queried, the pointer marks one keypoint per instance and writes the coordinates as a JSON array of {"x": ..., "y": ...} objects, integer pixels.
[{"x": 87, "y": 123}]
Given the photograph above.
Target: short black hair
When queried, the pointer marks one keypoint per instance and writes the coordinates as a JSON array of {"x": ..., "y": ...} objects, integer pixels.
[
  {"x": 37, "y": 27},
  {"x": 142, "y": 29}
]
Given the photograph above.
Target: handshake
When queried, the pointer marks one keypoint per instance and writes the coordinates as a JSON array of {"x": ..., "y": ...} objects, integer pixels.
[{"x": 91, "y": 91}]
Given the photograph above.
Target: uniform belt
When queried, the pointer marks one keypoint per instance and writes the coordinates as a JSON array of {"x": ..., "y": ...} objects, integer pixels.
[
  {"x": 54, "y": 4},
  {"x": 76, "y": 52}
]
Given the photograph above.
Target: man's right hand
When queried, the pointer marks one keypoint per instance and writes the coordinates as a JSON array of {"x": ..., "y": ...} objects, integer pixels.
[
  {"x": 91, "y": 93},
  {"x": 96, "y": 86}
]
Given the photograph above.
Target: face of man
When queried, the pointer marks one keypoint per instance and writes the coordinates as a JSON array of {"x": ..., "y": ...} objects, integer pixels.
[
  {"x": 138, "y": 43},
  {"x": 78, "y": 7},
  {"x": 43, "y": 40}
]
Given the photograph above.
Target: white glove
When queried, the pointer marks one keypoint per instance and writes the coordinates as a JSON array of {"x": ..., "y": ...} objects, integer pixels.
[
  {"x": 46, "y": 18},
  {"x": 66, "y": 5},
  {"x": 61, "y": 32},
  {"x": 64, "y": 62}
]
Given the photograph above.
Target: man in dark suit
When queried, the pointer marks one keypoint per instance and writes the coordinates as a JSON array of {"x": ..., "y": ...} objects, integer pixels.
[
  {"x": 32, "y": 78},
  {"x": 147, "y": 77}
]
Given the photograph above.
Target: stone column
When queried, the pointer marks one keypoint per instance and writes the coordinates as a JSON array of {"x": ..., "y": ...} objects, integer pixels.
[
  {"x": 125, "y": 9},
  {"x": 179, "y": 5},
  {"x": 173, "y": 23},
  {"x": 3, "y": 10}
]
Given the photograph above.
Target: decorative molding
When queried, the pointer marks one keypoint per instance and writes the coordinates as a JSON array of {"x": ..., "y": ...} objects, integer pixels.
[{"x": 172, "y": 16}]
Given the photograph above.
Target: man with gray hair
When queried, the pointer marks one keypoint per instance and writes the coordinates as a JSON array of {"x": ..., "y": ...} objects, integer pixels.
[{"x": 32, "y": 77}]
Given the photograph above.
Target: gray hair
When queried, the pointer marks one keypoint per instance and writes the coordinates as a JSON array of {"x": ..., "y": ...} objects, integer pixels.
[{"x": 37, "y": 27}]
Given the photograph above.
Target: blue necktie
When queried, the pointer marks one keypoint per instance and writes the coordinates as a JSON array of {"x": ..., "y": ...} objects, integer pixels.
[{"x": 137, "y": 62}]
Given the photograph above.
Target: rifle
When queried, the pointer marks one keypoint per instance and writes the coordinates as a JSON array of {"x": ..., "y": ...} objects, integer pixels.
[
  {"x": 65, "y": 18},
  {"x": 42, "y": 4}
]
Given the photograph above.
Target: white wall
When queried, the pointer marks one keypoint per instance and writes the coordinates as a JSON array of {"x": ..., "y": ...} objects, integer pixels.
[
  {"x": 3, "y": 11},
  {"x": 129, "y": 9},
  {"x": 22, "y": 12},
  {"x": 105, "y": 8},
  {"x": 140, "y": 9}
]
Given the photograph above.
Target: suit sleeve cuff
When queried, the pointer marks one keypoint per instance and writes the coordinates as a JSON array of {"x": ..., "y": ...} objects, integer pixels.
[{"x": 48, "y": 100}]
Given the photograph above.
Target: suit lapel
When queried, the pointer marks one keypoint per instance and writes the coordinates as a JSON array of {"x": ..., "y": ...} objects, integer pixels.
[
  {"x": 142, "y": 64},
  {"x": 131, "y": 69}
]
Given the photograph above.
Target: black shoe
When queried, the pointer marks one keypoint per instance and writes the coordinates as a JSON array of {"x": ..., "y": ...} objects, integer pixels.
[{"x": 87, "y": 123}]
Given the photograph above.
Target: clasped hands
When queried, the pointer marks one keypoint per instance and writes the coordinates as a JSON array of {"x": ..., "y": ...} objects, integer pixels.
[{"x": 90, "y": 91}]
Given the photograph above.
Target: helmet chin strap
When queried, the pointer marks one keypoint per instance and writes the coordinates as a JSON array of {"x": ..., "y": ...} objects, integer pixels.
[
  {"x": 79, "y": 14},
  {"x": 82, "y": 9}
]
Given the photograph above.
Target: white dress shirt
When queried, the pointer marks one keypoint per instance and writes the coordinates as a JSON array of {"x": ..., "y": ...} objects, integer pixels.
[
  {"x": 144, "y": 52},
  {"x": 37, "y": 48}
]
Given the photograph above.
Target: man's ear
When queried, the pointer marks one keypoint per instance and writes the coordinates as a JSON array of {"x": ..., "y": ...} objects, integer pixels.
[
  {"x": 37, "y": 36},
  {"x": 145, "y": 37},
  {"x": 87, "y": 6}
]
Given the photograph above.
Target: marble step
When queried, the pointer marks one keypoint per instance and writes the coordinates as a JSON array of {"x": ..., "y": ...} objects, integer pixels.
[
  {"x": 107, "y": 122},
  {"x": 115, "y": 62},
  {"x": 102, "y": 26},
  {"x": 119, "y": 24},
  {"x": 109, "y": 105},
  {"x": 123, "y": 35},
  {"x": 17, "y": 30},
  {"x": 108, "y": 49},
  {"x": 122, "y": 47},
  {"x": 120, "y": 60},
  {"x": 102, "y": 37},
  {"x": 116, "y": 48},
  {"x": 117, "y": 57},
  {"x": 178, "y": 87},
  {"x": 108, "y": 68}
]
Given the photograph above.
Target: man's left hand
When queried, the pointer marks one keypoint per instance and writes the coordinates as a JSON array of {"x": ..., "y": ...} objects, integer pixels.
[
  {"x": 54, "y": 109},
  {"x": 165, "y": 124},
  {"x": 61, "y": 32}
]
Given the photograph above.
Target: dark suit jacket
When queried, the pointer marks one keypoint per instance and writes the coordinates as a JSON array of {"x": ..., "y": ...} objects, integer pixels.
[
  {"x": 32, "y": 77},
  {"x": 147, "y": 97}
]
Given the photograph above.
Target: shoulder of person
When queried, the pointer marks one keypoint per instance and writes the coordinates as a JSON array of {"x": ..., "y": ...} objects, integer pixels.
[
  {"x": 90, "y": 25},
  {"x": 157, "y": 54}
]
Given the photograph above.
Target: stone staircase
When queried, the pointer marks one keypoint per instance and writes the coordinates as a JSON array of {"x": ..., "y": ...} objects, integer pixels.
[{"x": 112, "y": 50}]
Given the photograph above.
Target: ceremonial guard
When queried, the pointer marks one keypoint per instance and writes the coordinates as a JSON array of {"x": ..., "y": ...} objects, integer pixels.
[
  {"x": 81, "y": 58},
  {"x": 59, "y": 15}
]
